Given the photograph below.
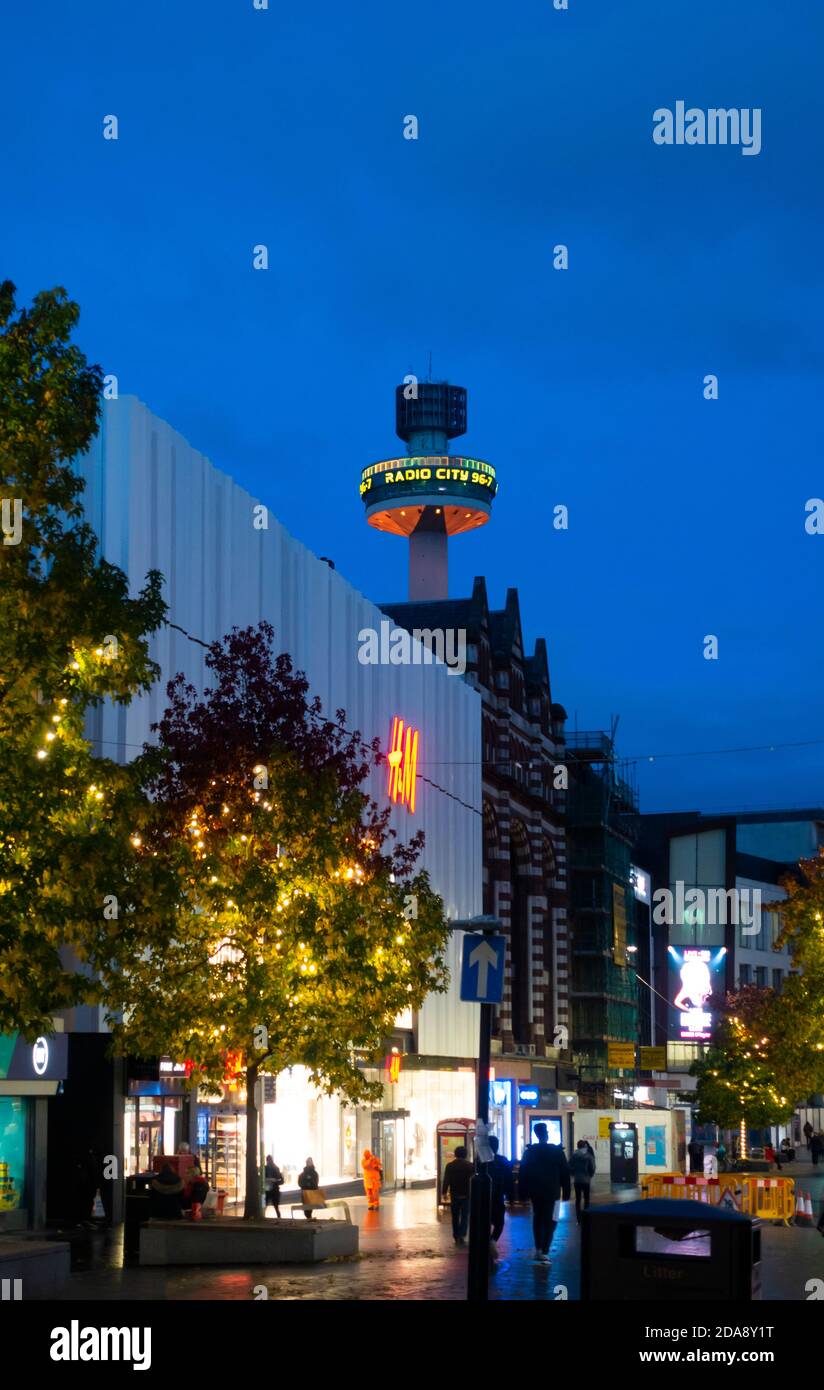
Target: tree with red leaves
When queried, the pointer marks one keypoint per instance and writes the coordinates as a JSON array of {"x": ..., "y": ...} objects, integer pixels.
[{"x": 271, "y": 924}]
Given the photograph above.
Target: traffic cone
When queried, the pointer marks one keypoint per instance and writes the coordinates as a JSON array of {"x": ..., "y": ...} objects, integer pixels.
[{"x": 803, "y": 1209}]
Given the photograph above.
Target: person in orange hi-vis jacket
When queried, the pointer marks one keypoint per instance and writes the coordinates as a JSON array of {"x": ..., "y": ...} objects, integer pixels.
[{"x": 372, "y": 1177}]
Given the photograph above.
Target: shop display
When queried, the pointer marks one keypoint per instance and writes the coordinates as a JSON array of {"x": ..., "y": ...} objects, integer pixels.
[{"x": 9, "y": 1196}]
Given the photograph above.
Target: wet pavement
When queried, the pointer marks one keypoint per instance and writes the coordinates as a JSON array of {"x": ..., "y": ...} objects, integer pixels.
[{"x": 407, "y": 1254}]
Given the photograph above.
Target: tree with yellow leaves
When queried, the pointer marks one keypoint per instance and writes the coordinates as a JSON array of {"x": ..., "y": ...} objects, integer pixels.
[{"x": 70, "y": 636}]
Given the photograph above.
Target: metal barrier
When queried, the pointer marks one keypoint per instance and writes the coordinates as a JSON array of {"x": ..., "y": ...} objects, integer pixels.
[{"x": 772, "y": 1199}]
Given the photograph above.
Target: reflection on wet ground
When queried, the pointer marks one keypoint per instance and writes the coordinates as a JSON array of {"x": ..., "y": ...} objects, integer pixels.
[{"x": 407, "y": 1253}]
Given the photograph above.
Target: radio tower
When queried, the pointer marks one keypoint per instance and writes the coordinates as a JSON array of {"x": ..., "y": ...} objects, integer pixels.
[{"x": 429, "y": 494}]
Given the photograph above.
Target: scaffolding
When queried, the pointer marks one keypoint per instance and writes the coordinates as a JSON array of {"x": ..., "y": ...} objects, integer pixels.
[{"x": 602, "y": 826}]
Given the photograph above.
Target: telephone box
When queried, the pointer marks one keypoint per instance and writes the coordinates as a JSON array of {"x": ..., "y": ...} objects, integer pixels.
[
  {"x": 623, "y": 1152},
  {"x": 449, "y": 1136}
]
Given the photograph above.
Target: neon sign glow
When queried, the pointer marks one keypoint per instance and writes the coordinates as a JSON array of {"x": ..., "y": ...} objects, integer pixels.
[{"x": 403, "y": 763}]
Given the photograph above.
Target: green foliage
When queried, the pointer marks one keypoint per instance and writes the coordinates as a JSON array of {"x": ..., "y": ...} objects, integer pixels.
[
  {"x": 737, "y": 1077},
  {"x": 70, "y": 636},
  {"x": 768, "y": 1054},
  {"x": 801, "y": 1050}
]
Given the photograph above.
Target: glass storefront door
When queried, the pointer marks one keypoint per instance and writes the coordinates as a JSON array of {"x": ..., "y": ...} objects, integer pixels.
[{"x": 153, "y": 1126}]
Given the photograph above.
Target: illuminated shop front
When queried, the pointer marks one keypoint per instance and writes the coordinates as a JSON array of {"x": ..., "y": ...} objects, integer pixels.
[
  {"x": 30, "y": 1072},
  {"x": 302, "y": 1122},
  {"x": 155, "y": 1119},
  {"x": 426, "y": 1091}
]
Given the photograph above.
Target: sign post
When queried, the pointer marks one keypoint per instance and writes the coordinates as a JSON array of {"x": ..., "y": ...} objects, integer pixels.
[{"x": 482, "y": 982}]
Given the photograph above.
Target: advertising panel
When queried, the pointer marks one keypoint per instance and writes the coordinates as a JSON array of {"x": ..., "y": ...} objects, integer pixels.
[{"x": 696, "y": 990}]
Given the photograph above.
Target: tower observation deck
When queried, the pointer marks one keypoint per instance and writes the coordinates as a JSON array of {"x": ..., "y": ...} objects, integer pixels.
[{"x": 429, "y": 494}]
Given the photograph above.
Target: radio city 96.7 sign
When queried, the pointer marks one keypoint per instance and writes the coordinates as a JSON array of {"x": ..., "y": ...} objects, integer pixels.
[
  {"x": 436, "y": 473},
  {"x": 403, "y": 763}
]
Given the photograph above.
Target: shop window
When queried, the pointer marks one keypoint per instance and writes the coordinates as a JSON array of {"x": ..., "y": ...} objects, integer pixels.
[{"x": 12, "y": 1152}]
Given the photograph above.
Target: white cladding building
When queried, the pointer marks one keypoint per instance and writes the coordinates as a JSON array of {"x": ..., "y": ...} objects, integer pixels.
[{"x": 157, "y": 503}]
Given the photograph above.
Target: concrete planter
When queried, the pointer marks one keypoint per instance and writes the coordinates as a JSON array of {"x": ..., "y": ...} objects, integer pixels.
[
  {"x": 42, "y": 1266},
  {"x": 230, "y": 1241}
]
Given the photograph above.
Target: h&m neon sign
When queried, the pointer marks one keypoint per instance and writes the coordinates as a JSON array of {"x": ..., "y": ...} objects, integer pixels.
[{"x": 403, "y": 763}]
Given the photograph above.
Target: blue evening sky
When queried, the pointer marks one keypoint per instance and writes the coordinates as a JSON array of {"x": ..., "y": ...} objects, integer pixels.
[{"x": 284, "y": 127}]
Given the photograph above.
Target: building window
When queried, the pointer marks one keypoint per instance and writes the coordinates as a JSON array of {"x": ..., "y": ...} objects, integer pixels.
[
  {"x": 778, "y": 976},
  {"x": 761, "y": 976},
  {"x": 744, "y": 975}
]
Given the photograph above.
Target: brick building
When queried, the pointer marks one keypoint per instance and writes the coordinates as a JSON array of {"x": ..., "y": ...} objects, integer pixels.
[{"x": 524, "y": 858}]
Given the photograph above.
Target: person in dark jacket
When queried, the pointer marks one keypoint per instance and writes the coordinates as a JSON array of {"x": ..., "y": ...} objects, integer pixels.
[
  {"x": 503, "y": 1188},
  {"x": 274, "y": 1181},
  {"x": 543, "y": 1179},
  {"x": 696, "y": 1153},
  {"x": 808, "y": 1133},
  {"x": 591, "y": 1153},
  {"x": 166, "y": 1195},
  {"x": 582, "y": 1171},
  {"x": 309, "y": 1182},
  {"x": 816, "y": 1147},
  {"x": 85, "y": 1182},
  {"x": 457, "y": 1176}
]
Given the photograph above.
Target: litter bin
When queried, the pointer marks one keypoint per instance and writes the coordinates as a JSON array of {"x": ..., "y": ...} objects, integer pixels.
[
  {"x": 664, "y": 1251},
  {"x": 136, "y": 1214}
]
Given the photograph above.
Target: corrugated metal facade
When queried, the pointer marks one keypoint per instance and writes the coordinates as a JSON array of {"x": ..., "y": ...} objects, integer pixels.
[{"x": 155, "y": 502}]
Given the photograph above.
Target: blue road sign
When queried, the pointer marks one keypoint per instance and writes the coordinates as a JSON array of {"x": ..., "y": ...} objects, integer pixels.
[{"x": 482, "y": 969}]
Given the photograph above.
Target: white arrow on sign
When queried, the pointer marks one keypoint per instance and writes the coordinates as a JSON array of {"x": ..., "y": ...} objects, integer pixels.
[{"x": 486, "y": 959}]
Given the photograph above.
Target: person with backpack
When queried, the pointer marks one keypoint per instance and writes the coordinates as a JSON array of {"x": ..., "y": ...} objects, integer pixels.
[
  {"x": 582, "y": 1171},
  {"x": 308, "y": 1181},
  {"x": 274, "y": 1181}
]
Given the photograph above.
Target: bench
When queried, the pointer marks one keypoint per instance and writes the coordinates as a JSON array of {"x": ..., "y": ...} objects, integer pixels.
[{"x": 226, "y": 1240}]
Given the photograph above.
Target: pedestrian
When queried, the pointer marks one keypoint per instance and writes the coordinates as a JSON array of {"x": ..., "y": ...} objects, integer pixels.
[
  {"x": 457, "y": 1176},
  {"x": 721, "y": 1155},
  {"x": 273, "y": 1179},
  {"x": 817, "y": 1147},
  {"x": 308, "y": 1181},
  {"x": 503, "y": 1190},
  {"x": 85, "y": 1182},
  {"x": 591, "y": 1153},
  {"x": 543, "y": 1180},
  {"x": 166, "y": 1194},
  {"x": 808, "y": 1133},
  {"x": 696, "y": 1153},
  {"x": 372, "y": 1179},
  {"x": 582, "y": 1171}
]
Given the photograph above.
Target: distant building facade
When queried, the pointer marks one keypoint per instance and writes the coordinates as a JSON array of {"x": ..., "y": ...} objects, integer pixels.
[
  {"x": 729, "y": 859},
  {"x": 524, "y": 847}
]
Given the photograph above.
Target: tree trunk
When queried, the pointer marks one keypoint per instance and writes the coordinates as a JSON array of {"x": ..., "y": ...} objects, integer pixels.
[{"x": 251, "y": 1208}]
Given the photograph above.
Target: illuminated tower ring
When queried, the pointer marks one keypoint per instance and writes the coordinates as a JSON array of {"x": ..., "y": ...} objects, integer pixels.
[{"x": 429, "y": 494}]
